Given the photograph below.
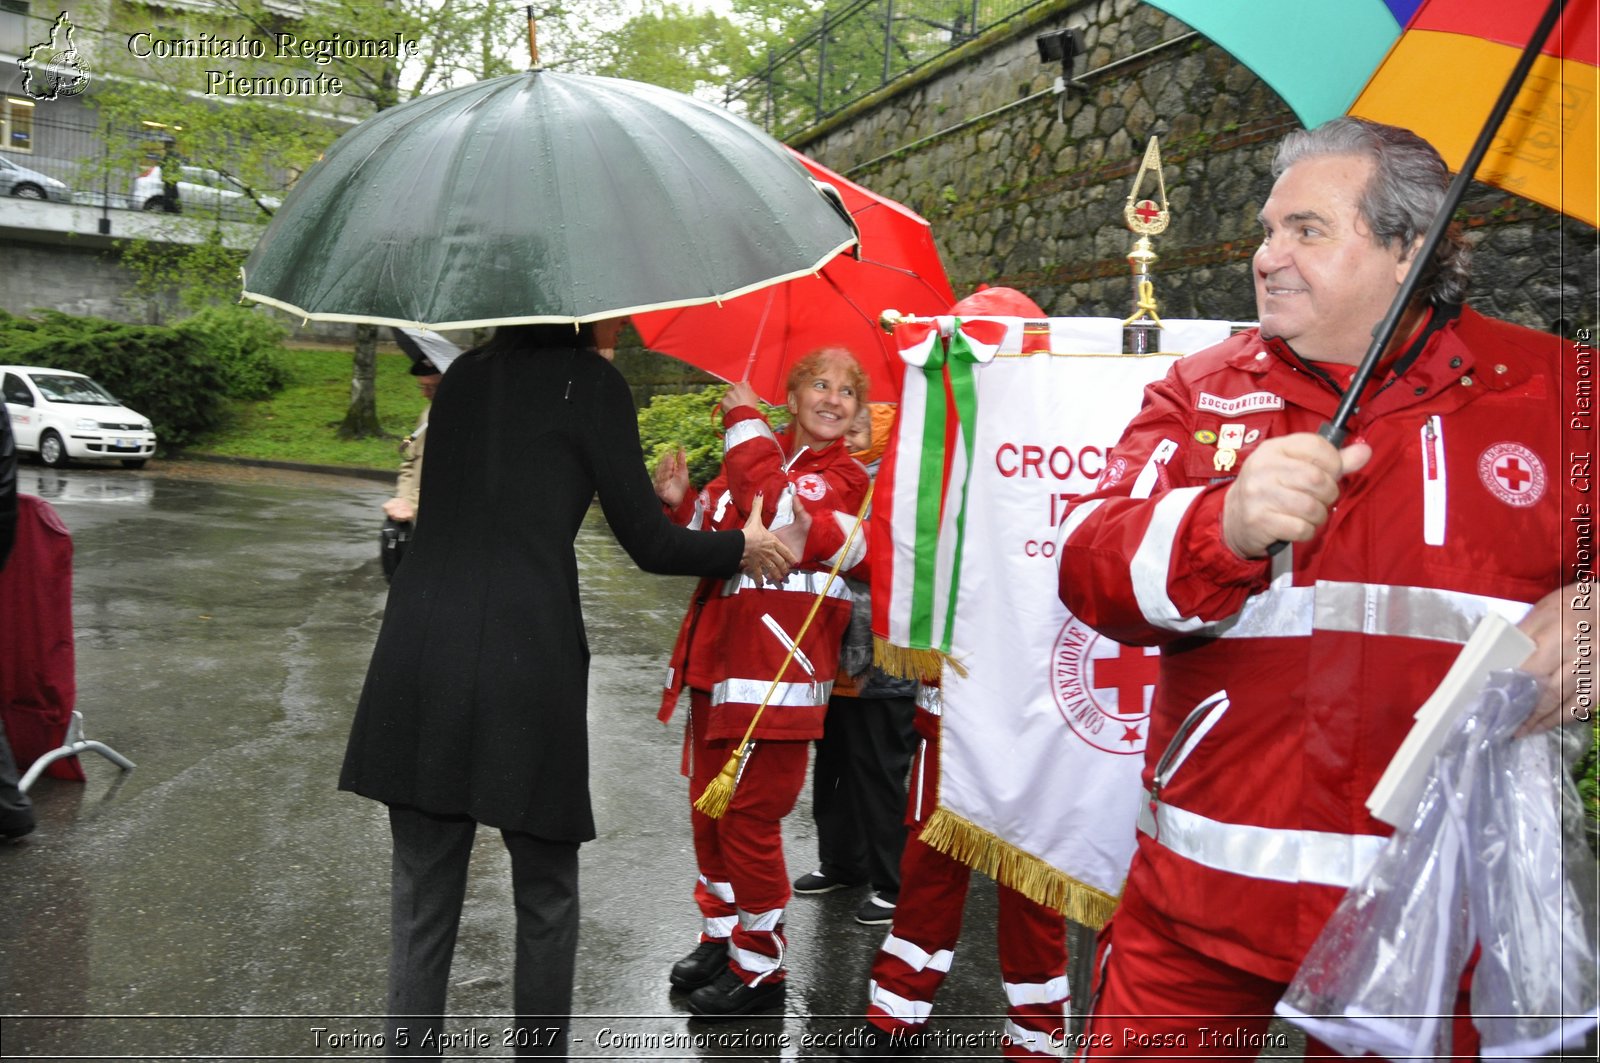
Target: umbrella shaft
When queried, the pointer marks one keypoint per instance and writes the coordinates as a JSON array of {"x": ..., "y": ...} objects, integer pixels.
[{"x": 1458, "y": 188}]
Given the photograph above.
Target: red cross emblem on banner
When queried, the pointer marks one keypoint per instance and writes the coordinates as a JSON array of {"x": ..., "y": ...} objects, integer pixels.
[{"x": 1102, "y": 688}]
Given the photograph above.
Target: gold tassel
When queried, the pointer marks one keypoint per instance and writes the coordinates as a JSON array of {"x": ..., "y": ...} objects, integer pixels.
[
  {"x": 1030, "y": 876},
  {"x": 923, "y": 665},
  {"x": 719, "y": 795}
]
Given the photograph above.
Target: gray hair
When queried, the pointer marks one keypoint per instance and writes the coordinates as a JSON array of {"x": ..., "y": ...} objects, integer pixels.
[{"x": 1407, "y": 187}]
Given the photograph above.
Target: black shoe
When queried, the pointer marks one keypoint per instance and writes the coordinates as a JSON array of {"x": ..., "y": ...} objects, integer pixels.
[
  {"x": 867, "y": 1042},
  {"x": 821, "y": 882},
  {"x": 728, "y": 997},
  {"x": 708, "y": 959},
  {"x": 12, "y": 829},
  {"x": 875, "y": 911}
]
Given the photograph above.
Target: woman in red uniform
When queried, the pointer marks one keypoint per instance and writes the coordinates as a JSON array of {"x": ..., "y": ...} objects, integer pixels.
[{"x": 734, "y": 641}]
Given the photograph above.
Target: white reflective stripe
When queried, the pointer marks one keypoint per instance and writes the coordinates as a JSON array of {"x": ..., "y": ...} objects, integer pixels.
[
  {"x": 751, "y": 691},
  {"x": 754, "y": 962},
  {"x": 911, "y": 1012},
  {"x": 1075, "y": 520},
  {"x": 1152, "y": 562},
  {"x": 724, "y": 500},
  {"x": 1364, "y": 609},
  {"x": 930, "y": 699},
  {"x": 698, "y": 520},
  {"x": 761, "y": 922},
  {"x": 671, "y": 672},
  {"x": 745, "y": 431},
  {"x": 854, "y": 549},
  {"x": 1034, "y": 1042},
  {"x": 915, "y": 957},
  {"x": 1262, "y": 852},
  {"x": 1412, "y": 612},
  {"x": 722, "y": 891},
  {"x": 720, "y": 927},
  {"x": 789, "y": 644},
  {"x": 1055, "y": 991},
  {"x": 808, "y": 583}
]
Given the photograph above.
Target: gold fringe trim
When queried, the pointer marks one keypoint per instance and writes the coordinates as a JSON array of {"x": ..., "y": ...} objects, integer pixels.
[
  {"x": 1030, "y": 876},
  {"x": 923, "y": 665}
]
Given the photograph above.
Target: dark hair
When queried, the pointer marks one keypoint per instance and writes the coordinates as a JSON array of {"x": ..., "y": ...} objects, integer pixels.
[
  {"x": 531, "y": 337},
  {"x": 1407, "y": 187}
]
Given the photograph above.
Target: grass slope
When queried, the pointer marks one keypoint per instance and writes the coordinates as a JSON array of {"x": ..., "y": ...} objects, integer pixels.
[{"x": 300, "y": 423}]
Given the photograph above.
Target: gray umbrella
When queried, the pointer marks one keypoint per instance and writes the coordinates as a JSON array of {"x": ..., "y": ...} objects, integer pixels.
[{"x": 542, "y": 197}]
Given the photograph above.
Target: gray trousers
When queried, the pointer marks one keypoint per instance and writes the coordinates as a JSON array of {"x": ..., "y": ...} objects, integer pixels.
[{"x": 429, "y": 885}]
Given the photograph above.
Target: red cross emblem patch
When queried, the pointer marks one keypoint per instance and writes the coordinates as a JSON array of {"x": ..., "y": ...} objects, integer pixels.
[
  {"x": 1513, "y": 474},
  {"x": 811, "y": 486}
]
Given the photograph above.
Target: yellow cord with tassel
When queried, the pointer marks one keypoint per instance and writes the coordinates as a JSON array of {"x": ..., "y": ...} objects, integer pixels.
[
  {"x": 1147, "y": 304},
  {"x": 719, "y": 794}
]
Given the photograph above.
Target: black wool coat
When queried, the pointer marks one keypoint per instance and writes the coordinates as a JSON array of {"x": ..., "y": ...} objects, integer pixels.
[{"x": 476, "y": 699}]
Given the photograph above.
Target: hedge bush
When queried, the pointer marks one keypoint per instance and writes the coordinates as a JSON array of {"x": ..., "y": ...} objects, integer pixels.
[
  {"x": 178, "y": 376},
  {"x": 691, "y": 420}
]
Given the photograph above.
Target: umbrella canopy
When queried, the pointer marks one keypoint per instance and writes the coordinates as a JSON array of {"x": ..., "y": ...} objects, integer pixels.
[
  {"x": 757, "y": 337},
  {"x": 541, "y": 197},
  {"x": 1434, "y": 67}
]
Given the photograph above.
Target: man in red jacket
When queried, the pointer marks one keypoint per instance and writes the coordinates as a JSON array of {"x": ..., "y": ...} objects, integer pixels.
[{"x": 1288, "y": 682}]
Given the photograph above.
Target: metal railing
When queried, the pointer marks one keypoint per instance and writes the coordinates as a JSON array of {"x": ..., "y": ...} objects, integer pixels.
[{"x": 855, "y": 49}]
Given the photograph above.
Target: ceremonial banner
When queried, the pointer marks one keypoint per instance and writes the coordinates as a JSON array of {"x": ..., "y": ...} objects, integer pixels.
[{"x": 1044, "y": 722}]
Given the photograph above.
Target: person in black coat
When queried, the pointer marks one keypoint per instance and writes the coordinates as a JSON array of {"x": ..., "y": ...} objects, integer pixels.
[{"x": 475, "y": 703}]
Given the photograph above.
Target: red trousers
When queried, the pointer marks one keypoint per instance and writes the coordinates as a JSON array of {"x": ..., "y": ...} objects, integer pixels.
[
  {"x": 1156, "y": 998},
  {"x": 744, "y": 884},
  {"x": 916, "y": 956}
]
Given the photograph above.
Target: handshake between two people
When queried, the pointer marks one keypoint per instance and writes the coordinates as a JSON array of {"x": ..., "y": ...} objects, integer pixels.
[{"x": 768, "y": 555}]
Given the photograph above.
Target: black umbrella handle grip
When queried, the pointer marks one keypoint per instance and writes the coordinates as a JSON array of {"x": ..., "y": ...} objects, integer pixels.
[{"x": 1334, "y": 434}]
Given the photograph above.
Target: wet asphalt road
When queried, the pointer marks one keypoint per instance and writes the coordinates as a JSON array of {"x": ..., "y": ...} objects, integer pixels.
[{"x": 224, "y": 900}]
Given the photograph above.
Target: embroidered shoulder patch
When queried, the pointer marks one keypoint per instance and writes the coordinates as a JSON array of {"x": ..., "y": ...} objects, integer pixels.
[{"x": 1254, "y": 402}]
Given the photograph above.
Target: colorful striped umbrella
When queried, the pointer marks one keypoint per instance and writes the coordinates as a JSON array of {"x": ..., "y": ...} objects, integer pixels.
[{"x": 1435, "y": 67}]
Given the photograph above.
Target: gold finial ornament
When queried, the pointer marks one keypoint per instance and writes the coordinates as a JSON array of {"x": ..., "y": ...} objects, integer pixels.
[{"x": 1145, "y": 217}]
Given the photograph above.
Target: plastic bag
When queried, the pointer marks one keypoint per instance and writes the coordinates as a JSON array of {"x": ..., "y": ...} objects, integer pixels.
[{"x": 1494, "y": 855}]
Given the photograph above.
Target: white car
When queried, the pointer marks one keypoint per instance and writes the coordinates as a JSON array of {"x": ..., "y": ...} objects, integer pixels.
[
  {"x": 61, "y": 415},
  {"x": 200, "y": 187}
]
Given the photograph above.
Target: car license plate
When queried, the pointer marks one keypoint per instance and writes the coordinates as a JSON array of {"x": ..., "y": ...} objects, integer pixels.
[{"x": 126, "y": 443}]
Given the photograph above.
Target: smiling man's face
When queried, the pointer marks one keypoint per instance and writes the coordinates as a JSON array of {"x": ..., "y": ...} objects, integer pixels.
[{"x": 1322, "y": 281}]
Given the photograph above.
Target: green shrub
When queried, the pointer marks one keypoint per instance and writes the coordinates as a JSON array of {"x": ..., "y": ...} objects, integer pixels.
[
  {"x": 693, "y": 421},
  {"x": 244, "y": 344},
  {"x": 161, "y": 372}
]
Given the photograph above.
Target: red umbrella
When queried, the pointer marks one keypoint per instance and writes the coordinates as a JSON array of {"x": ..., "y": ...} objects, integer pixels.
[{"x": 756, "y": 337}]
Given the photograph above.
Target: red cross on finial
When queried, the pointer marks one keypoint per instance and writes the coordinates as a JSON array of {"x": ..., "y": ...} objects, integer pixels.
[{"x": 1146, "y": 210}]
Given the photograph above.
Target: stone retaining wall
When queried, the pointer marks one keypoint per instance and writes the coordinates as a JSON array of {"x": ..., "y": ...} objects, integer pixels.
[{"x": 1028, "y": 192}]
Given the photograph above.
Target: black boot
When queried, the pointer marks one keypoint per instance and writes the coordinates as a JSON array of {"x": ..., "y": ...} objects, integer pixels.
[
  {"x": 728, "y": 997},
  {"x": 702, "y": 965}
]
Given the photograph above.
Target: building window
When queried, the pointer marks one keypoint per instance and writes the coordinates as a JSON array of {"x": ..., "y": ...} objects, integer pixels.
[{"x": 16, "y": 124}]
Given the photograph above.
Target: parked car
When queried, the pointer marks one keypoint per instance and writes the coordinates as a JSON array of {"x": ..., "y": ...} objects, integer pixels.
[
  {"x": 198, "y": 186},
  {"x": 24, "y": 183},
  {"x": 61, "y": 415}
]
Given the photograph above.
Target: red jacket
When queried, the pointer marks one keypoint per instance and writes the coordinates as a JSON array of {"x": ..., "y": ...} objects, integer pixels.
[
  {"x": 736, "y": 635},
  {"x": 1313, "y": 678}
]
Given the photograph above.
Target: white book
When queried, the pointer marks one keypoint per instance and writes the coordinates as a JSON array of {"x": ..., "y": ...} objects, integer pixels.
[{"x": 1495, "y": 645}]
